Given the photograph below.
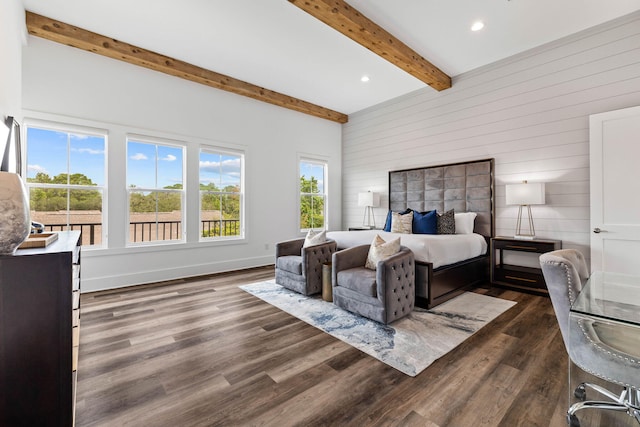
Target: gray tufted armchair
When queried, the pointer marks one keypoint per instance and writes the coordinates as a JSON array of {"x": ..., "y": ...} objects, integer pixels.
[
  {"x": 385, "y": 294},
  {"x": 300, "y": 269}
]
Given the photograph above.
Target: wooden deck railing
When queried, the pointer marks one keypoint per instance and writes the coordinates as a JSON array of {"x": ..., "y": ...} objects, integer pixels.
[{"x": 144, "y": 231}]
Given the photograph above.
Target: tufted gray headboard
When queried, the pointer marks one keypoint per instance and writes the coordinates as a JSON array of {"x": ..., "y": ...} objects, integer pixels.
[{"x": 464, "y": 187}]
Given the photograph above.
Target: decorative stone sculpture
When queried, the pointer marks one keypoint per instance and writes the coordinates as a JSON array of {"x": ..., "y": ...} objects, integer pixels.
[{"x": 15, "y": 222}]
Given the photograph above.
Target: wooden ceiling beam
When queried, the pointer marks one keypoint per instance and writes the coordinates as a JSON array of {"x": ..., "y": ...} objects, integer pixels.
[
  {"x": 70, "y": 35},
  {"x": 344, "y": 18}
]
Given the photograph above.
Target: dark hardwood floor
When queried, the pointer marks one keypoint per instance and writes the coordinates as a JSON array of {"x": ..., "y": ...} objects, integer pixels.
[{"x": 202, "y": 352}]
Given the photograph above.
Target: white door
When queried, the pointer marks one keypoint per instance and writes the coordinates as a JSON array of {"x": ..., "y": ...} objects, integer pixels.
[{"x": 615, "y": 191}]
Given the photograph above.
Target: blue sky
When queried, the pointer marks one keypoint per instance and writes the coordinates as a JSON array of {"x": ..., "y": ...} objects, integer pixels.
[
  {"x": 54, "y": 152},
  {"x": 148, "y": 165},
  {"x": 145, "y": 159},
  {"x": 220, "y": 169},
  {"x": 313, "y": 169}
]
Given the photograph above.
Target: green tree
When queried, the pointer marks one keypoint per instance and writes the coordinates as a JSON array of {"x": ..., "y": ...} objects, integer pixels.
[
  {"x": 210, "y": 200},
  {"x": 168, "y": 202},
  {"x": 55, "y": 199},
  {"x": 153, "y": 201},
  {"x": 311, "y": 205},
  {"x": 140, "y": 202},
  {"x": 227, "y": 202}
]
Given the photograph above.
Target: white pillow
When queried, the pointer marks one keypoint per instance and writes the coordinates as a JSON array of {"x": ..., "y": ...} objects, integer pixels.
[
  {"x": 315, "y": 238},
  {"x": 464, "y": 222},
  {"x": 381, "y": 250},
  {"x": 402, "y": 223}
]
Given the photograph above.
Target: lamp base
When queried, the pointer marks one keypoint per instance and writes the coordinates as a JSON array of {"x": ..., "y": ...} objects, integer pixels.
[
  {"x": 532, "y": 231},
  {"x": 524, "y": 237},
  {"x": 366, "y": 219}
]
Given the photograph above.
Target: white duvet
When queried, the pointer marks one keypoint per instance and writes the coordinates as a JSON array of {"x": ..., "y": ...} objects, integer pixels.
[{"x": 439, "y": 249}]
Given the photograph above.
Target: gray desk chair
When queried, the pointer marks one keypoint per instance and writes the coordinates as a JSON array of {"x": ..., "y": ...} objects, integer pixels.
[
  {"x": 300, "y": 269},
  {"x": 594, "y": 346},
  {"x": 385, "y": 294}
]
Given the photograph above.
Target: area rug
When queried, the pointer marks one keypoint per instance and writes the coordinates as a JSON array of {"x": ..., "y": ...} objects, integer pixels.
[{"x": 409, "y": 344}]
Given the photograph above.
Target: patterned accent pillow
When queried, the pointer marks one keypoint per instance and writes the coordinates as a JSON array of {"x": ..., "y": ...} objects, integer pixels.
[
  {"x": 402, "y": 223},
  {"x": 315, "y": 238},
  {"x": 381, "y": 250},
  {"x": 446, "y": 223},
  {"x": 387, "y": 223}
]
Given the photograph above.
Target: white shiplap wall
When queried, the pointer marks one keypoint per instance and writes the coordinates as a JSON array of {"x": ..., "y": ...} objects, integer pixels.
[{"x": 530, "y": 112}]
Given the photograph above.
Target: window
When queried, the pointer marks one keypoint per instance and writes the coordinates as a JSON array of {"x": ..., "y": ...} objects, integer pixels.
[
  {"x": 66, "y": 180},
  {"x": 156, "y": 196},
  {"x": 221, "y": 194},
  {"x": 313, "y": 194}
]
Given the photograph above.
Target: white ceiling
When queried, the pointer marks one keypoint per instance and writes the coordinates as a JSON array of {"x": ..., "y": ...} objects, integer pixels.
[{"x": 272, "y": 43}]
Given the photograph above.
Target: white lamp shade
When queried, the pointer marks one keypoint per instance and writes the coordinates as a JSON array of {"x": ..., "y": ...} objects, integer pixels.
[
  {"x": 525, "y": 194},
  {"x": 369, "y": 199}
]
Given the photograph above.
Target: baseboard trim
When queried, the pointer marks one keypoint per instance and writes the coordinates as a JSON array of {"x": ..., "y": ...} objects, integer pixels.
[{"x": 117, "y": 281}]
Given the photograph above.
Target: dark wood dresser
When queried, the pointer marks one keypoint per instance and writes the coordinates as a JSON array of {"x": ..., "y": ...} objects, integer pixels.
[{"x": 39, "y": 333}]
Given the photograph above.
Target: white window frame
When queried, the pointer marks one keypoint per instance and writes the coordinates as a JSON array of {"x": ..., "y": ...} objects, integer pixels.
[
  {"x": 103, "y": 189},
  {"x": 183, "y": 223},
  {"x": 316, "y": 160},
  {"x": 241, "y": 154}
]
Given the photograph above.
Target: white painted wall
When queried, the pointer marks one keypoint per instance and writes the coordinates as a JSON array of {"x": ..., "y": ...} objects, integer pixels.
[
  {"x": 12, "y": 36},
  {"x": 64, "y": 84},
  {"x": 530, "y": 112}
]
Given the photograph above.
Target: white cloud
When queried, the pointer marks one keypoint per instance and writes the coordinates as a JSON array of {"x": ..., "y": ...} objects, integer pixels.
[
  {"x": 36, "y": 168},
  {"x": 138, "y": 156},
  {"x": 88, "y": 150},
  {"x": 169, "y": 158},
  {"x": 228, "y": 167},
  {"x": 210, "y": 166}
]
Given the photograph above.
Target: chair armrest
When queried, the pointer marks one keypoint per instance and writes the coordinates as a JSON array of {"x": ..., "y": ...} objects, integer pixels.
[
  {"x": 289, "y": 247},
  {"x": 395, "y": 277},
  {"x": 345, "y": 259},
  {"x": 312, "y": 259}
]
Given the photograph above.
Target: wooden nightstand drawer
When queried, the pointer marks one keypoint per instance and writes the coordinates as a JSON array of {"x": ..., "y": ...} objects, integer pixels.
[
  {"x": 520, "y": 276},
  {"x": 540, "y": 247}
]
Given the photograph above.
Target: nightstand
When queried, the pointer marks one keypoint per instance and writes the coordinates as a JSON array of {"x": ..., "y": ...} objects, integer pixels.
[{"x": 518, "y": 276}]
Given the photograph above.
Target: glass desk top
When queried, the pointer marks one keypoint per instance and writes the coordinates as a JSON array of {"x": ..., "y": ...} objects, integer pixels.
[{"x": 611, "y": 296}]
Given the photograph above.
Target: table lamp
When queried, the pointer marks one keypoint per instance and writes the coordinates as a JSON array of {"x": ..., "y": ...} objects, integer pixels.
[
  {"x": 525, "y": 195},
  {"x": 369, "y": 200}
]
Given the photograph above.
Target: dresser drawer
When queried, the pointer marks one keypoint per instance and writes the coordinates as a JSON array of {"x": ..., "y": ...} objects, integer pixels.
[
  {"x": 76, "y": 277},
  {"x": 75, "y": 346},
  {"x": 74, "y": 360},
  {"x": 76, "y": 255}
]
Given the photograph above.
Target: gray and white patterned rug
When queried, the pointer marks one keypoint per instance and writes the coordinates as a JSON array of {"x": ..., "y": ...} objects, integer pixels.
[{"x": 409, "y": 344}]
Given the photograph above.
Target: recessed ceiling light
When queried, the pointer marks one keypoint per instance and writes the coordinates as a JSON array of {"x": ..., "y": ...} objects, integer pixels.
[
  {"x": 477, "y": 26},
  {"x": 364, "y": 79}
]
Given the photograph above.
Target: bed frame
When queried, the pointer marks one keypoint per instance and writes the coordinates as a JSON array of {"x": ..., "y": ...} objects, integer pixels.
[{"x": 464, "y": 187}]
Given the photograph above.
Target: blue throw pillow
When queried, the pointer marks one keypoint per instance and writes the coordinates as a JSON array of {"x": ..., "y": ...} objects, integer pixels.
[
  {"x": 425, "y": 222},
  {"x": 387, "y": 223}
]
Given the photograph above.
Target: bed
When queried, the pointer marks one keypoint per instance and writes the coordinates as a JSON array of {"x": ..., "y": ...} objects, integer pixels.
[{"x": 446, "y": 265}]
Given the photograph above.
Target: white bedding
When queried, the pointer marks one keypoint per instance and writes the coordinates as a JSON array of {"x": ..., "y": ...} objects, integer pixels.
[{"x": 439, "y": 249}]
